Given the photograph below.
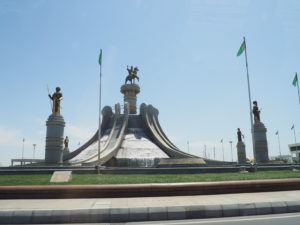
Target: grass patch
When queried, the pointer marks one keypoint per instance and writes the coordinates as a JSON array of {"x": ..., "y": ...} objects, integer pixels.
[
  {"x": 142, "y": 178},
  {"x": 36, "y": 179}
]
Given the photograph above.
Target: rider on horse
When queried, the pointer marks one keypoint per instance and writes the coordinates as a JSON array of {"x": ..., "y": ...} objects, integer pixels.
[{"x": 132, "y": 74}]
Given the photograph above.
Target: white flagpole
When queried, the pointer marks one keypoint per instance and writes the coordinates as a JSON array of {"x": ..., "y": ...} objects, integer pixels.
[
  {"x": 250, "y": 101},
  {"x": 99, "y": 129},
  {"x": 298, "y": 87}
]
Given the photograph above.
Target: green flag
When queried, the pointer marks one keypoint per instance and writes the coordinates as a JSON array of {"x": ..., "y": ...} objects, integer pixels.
[
  {"x": 100, "y": 58},
  {"x": 295, "y": 81},
  {"x": 242, "y": 48},
  {"x": 276, "y": 133}
]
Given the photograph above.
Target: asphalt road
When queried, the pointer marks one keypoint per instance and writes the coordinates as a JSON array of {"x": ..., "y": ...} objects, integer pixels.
[{"x": 273, "y": 219}]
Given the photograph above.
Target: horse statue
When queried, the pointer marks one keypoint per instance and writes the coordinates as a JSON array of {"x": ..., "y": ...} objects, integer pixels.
[{"x": 132, "y": 74}]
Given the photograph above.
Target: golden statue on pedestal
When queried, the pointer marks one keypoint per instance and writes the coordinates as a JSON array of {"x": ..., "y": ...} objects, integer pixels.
[
  {"x": 256, "y": 112},
  {"x": 56, "y": 98}
]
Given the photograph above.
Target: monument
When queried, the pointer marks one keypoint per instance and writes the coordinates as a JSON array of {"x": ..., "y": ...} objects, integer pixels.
[
  {"x": 131, "y": 90},
  {"x": 55, "y": 131},
  {"x": 66, "y": 150},
  {"x": 260, "y": 137},
  {"x": 241, "y": 149},
  {"x": 129, "y": 138}
]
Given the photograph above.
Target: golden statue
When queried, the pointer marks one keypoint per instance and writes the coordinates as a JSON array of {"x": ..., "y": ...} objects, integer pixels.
[
  {"x": 66, "y": 142},
  {"x": 239, "y": 135},
  {"x": 56, "y": 98},
  {"x": 256, "y": 112}
]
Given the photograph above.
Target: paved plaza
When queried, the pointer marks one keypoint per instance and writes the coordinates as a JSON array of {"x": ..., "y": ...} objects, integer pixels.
[{"x": 147, "y": 208}]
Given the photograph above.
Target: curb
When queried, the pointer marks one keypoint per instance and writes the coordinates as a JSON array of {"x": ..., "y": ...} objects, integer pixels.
[
  {"x": 146, "y": 190},
  {"x": 112, "y": 215}
]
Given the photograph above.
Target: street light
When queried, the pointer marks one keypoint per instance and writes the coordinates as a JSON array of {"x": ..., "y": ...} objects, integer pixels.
[
  {"x": 23, "y": 148},
  {"x": 34, "y": 145},
  {"x": 223, "y": 149},
  {"x": 214, "y": 152},
  {"x": 22, "y": 152},
  {"x": 231, "y": 150}
]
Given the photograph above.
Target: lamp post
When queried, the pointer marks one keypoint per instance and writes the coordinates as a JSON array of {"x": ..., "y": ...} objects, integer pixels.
[
  {"x": 293, "y": 128},
  {"x": 23, "y": 151},
  {"x": 277, "y": 133},
  {"x": 214, "y": 152},
  {"x": 34, "y": 145},
  {"x": 231, "y": 150},
  {"x": 223, "y": 150}
]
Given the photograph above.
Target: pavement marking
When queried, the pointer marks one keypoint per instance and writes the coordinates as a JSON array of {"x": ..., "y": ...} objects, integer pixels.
[{"x": 224, "y": 220}]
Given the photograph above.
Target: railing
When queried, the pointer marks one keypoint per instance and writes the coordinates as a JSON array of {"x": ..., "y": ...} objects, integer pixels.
[{"x": 24, "y": 161}]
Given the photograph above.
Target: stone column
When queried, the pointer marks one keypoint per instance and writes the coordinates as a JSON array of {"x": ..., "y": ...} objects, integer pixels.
[
  {"x": 241, "y": 152},
  {"x": 54, "y": 139},
  {"x": 260, "y": 143},
  {"x": 130, "y": 91}
]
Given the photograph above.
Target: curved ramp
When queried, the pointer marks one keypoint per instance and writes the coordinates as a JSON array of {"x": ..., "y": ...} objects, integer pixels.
[
  {"x": 107, "y": 115},
  {"x": 110, "y": 143},
  {"x": 150, "y": 120},
  {"x": 137, "y": 145},
  {"x": 114, "y": 142}
]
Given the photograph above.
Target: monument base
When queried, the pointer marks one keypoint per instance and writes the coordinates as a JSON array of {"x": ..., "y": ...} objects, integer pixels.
[
  {"x": 260, "y": 143},
  {"x": 130, "y": 91},
  {"x": 181, "y": 162},
  {"x": 241, "y": 152},
  {"x": 66, "y": 152},
  {"x": 54, "y": 139}
]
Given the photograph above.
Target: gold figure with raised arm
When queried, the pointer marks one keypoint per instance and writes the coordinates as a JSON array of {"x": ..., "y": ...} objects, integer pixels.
[{"x": 56, "y": 98}]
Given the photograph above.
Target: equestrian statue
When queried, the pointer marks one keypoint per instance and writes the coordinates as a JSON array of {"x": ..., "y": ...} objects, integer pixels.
[{"x": 132, "y": 74}]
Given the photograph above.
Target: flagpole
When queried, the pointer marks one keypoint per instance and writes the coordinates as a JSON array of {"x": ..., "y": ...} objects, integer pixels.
[
  {"x": 298, "y": 88},
  {"x": 250, "y": 101},
  {"x": 99, "y": 129}
]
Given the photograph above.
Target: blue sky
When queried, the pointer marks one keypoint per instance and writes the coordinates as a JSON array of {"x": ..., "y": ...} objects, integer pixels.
[{"x": 186, "y": 53}]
